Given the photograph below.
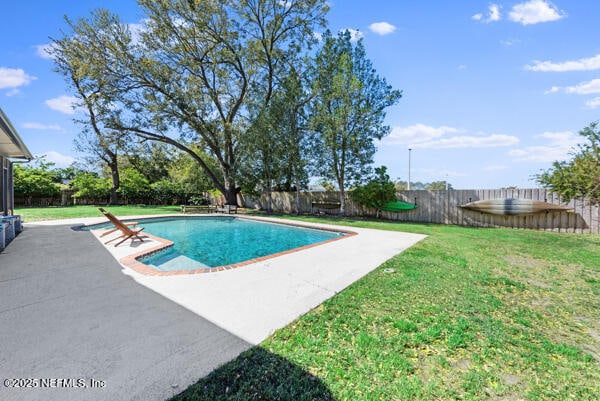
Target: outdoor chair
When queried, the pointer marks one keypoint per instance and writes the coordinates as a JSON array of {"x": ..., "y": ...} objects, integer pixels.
[
  {"x": 130, "y": 224},
  {"x": 126, "y": 232},
  {"x": 229, "y": 209}
]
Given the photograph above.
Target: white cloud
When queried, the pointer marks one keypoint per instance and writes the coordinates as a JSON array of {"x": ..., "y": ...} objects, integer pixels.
[
  {"x": 14, "y": 77},
  {"x": 554, "y": 89},
  {"x": 493, "y": 14},
  {"x": 355, "y": 34},
  {"x": 43, "y": 51},
  {"x": 593, "y": 103},
  {"x": 416, "y": 133},
  {"x": 64, "y": 104},
  {"x": 534, "y": 12},
  {"x": 557, "y": 148},
  {"x": 583, "y": 64},
  {"x": 47, "y": 127},
  {"x": 583, "y": 88},
  {"x": 58, "y": 158},
  {"x": 489, "y": 141},
  {"x": 560, "y": 137},
  {"x": 382, "y": 28},
  {"x": 424, "y": 136}
]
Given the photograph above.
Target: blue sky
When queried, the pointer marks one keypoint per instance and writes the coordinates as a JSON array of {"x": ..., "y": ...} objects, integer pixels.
[{"x": 493, "y": 91}]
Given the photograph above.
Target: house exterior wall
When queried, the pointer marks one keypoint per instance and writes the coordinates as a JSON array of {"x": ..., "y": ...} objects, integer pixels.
[
  {"x": 4, "y": 192},
  {"x": 7, "y": 200},
  {"x": 11, "y": 147}
]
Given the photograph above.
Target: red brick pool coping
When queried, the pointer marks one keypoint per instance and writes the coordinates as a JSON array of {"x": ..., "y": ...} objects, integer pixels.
[{"x": 132, "y": 262}]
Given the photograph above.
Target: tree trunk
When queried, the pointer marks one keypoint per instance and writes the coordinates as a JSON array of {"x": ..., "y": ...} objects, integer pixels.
[
  {"x": 116, "y": 183},
  {"x": 230, "y": 194},
  {"x": 269, "y": 198},
  {"x": 269, "y": 202},
  {"x": 298, "y": 199},
  {"x": 342, "y": 200}
]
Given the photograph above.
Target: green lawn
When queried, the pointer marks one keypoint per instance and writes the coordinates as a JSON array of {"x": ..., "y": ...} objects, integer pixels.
[
  {"x": 468, "y": 313},
  {"x": 31, "y": 214}
]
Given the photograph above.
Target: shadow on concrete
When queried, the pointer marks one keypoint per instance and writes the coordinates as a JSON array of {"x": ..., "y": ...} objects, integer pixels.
[{"x": 258, "y": 374}]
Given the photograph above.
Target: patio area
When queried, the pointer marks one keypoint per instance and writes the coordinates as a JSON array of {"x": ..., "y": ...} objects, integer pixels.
[{"x": 70, "y": 310}]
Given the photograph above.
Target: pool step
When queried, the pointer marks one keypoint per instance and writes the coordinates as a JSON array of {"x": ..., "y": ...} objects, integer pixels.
[{"x": 180, "y": 262}]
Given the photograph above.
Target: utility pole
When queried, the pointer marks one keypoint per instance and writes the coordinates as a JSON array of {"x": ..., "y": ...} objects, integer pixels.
[{"x": 408, "y": 185}]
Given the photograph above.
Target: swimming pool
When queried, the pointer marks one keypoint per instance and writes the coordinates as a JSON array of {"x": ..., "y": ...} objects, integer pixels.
[{"x": 208, "y": 242}]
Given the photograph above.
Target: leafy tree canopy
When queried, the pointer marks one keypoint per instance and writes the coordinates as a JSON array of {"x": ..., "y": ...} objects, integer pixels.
[
  {"x": 36, "y": 179},
  {"x": 196, "y": 71},
  {"x": 580, "y": 176},
  {"x": 276, "y": 152},
  {"x": 348, "y": 110},
  {"x": 133, "y": 184},
  {"x": 90, "y": 185}
]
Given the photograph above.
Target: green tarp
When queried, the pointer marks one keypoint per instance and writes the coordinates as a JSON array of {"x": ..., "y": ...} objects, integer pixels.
[{"x": 398, "y": 206}]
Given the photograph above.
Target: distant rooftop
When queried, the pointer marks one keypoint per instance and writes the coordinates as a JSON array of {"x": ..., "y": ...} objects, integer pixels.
[{"x": 11, "y": 144}]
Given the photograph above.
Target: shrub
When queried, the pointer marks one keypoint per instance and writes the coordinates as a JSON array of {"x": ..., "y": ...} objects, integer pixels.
[{"x": 378, "y": 191}]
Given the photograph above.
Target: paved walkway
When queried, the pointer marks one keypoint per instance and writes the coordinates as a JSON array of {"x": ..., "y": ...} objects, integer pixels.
[{"x": 68, "y": 315}]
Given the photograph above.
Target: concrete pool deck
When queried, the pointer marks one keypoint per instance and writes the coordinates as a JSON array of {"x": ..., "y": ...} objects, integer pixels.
[
  {"x": 74, "y": 327},
  {"x": 253, "y": 301}
]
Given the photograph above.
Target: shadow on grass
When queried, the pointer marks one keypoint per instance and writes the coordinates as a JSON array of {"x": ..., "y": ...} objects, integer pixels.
[{"x": 257, "y": 374}]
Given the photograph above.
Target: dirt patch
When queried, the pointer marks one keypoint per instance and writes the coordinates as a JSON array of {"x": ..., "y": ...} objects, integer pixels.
[
  {"x": 542, "y": 302},
  {"x": 509, "y": 379},
  {"x": 462, "y": 364},
  {"x": 527, "y": 266},
  {"x": 536, "y": 283},
  {"x": 593, "y": 350},
  {"x": 595, "y": 335},
  {"x": 522, "y": 261}
]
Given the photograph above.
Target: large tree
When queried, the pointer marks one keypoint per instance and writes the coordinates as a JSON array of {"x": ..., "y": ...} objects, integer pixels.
[
  {"x": 275, "y": 150},
  {"x": 348, "y": 110},
  {"x": 71, "y": 58},
  {"x": 197, "y": 68},
  {"x": 580, "y": 176}
]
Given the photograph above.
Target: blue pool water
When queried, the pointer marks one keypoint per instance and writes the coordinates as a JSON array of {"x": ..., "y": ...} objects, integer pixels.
[{"x": 204, "y": 242}]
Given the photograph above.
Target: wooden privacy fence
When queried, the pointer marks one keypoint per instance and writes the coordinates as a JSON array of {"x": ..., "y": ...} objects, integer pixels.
[{"x": 443, "y": 207}]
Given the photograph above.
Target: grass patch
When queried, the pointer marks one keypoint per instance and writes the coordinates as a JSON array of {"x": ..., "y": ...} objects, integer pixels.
[
  {"x": 31, "y": 214},
  {"x": 469, "y": 314}
]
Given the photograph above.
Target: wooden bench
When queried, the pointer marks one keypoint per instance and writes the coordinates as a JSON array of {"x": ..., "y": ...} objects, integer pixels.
[
  {"x": 229, "y": 209},
  {"x": 198, "y": 209},
  {"x": 329, "y": 205}
]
